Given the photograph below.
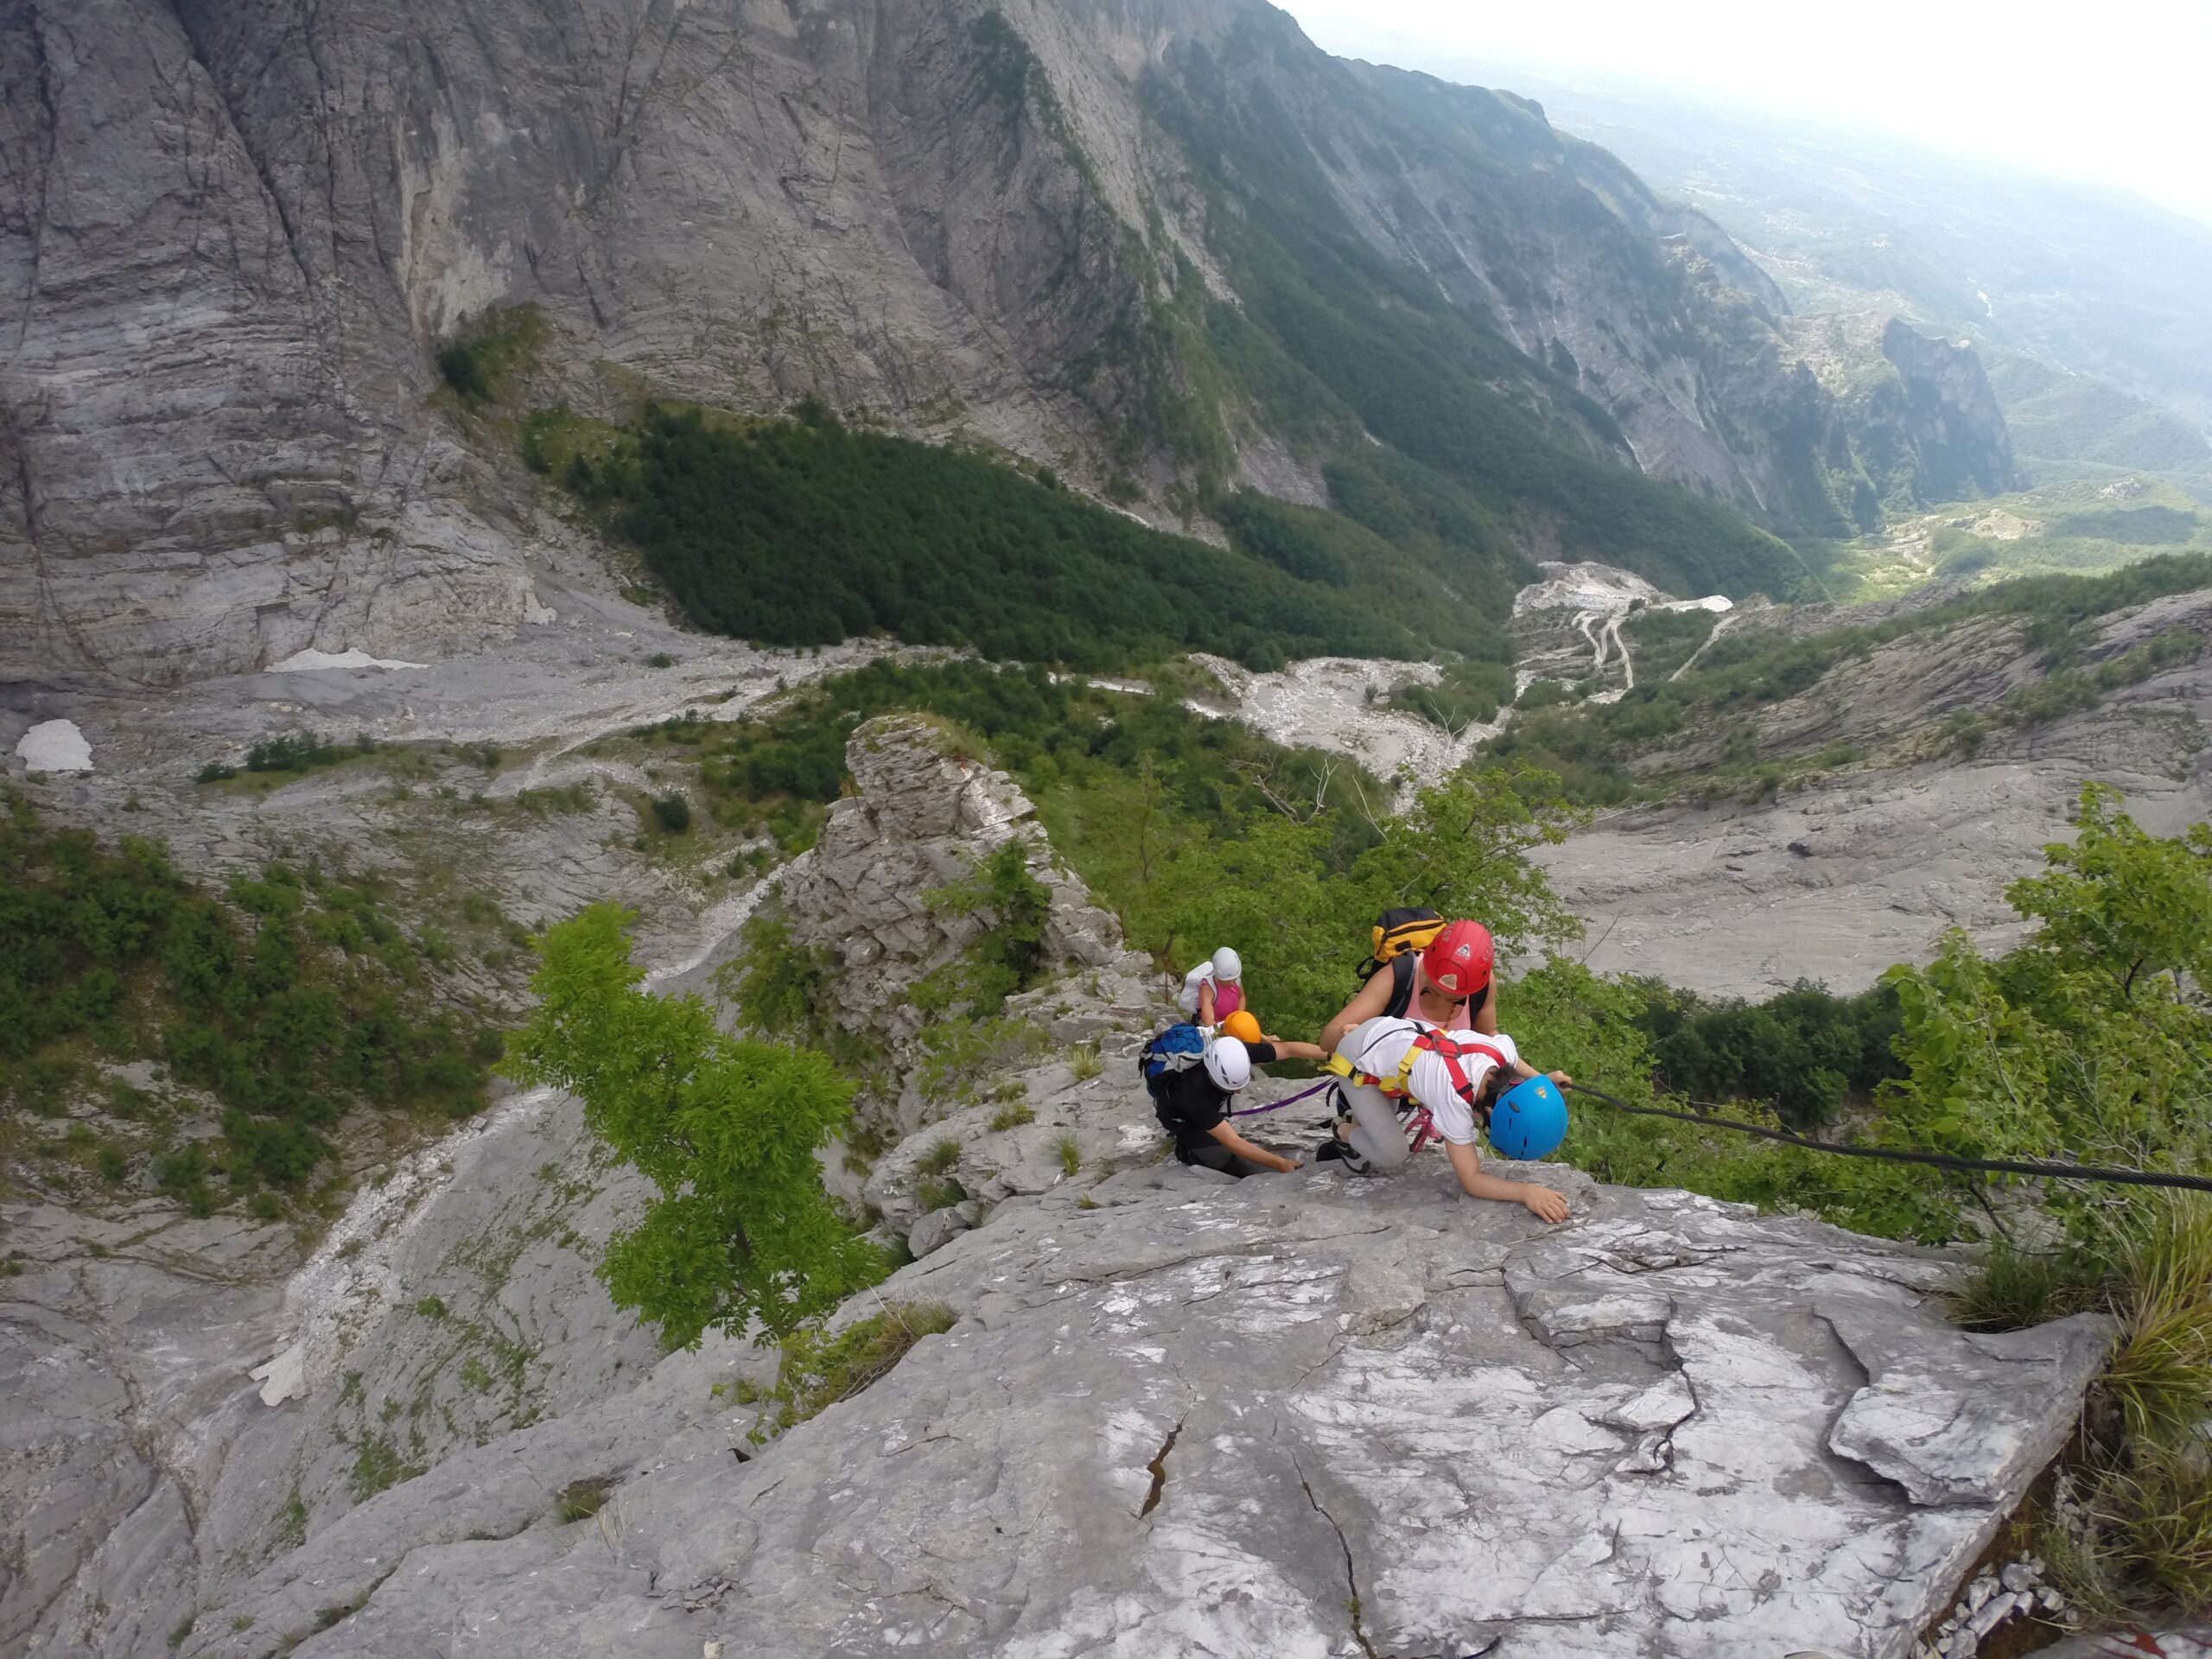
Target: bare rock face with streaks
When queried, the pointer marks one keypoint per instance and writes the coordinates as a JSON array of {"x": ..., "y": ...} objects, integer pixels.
[
  {"x": 1310, "y": 1416},
  {"x": 238, "y": 241}
]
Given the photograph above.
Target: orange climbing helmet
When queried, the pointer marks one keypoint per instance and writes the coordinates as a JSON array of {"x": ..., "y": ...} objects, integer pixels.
[{"x": 1242, "y": 1026}]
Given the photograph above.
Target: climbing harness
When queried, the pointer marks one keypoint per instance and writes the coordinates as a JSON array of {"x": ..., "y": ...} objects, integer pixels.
[
  {"x": 1450, "y": 1047},
  {"x": 2051, "y": 1169}
]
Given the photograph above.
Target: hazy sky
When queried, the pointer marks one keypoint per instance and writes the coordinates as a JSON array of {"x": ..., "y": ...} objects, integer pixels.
[{"x": 2117, "y": 91}]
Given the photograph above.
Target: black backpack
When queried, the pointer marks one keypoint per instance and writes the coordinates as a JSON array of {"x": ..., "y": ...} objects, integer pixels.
[
  {"x": 1176, "y": 1049},
  {"x": 1400, "y": 937}
]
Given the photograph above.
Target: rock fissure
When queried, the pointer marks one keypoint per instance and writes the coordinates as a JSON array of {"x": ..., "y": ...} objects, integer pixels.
[
  {"x": 1159, "y": 1468},
  {"x": 1353, "y": 1606}
]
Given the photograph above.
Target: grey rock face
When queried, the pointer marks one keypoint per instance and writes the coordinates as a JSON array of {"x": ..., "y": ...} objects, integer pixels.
[
  {"x": 923, "y": 817},
  {"x": 1305, "y": 1415},
  {"x": 240, "y": 240}
]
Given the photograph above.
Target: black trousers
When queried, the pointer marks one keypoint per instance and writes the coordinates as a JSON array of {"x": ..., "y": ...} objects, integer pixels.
[{"x": 1216, "y": 1156}]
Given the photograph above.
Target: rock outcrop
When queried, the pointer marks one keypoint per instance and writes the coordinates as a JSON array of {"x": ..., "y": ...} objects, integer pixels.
[
  {"x": 922, "y": 817},
  {"x": 1309, "y": 1416}
]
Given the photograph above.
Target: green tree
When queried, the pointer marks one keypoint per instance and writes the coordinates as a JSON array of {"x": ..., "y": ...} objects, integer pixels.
[
  {"x": 727, "y": 1130},
  {"x": 2093, "y": 1040}
]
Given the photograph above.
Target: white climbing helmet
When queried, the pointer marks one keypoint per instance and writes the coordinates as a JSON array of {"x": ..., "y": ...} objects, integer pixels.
[
  {"x": 1228, "y": 1063},
  {"x": 1228, "y": 965}
]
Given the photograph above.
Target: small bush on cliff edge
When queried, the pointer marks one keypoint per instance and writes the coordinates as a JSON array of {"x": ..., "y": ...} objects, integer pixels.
[{"x": 726, "y": 1130}]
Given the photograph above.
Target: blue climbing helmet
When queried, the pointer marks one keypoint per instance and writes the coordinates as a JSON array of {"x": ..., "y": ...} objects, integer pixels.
[{"x": 1529, "y": 1120}]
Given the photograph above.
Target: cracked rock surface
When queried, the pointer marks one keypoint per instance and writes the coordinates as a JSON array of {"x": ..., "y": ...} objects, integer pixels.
[{"x": 1307, "y": 1416}]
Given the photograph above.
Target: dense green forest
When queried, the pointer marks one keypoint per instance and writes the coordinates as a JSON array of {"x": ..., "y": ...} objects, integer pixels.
[
  {"x": 292, "y": 999},
  {"x": 807, "y": 533}
]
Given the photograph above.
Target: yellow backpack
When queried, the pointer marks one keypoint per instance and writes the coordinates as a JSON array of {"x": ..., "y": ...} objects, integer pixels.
[{"x": 1400, "y": 937}]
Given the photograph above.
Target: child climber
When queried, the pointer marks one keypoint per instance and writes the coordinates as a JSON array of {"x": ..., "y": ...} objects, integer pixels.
[
  {"x": 1458, "y": 1077},
  {"x": 1214, "y": 989},
  {"x": 1194, "y": 1104}
]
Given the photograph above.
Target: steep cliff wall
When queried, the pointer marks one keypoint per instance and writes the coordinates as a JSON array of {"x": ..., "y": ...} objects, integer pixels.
[{"x": 236, "y": 238}]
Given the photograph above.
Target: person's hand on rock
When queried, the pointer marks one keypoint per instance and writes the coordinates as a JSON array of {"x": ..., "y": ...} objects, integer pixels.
[{"x": 1544, "y": 1204}]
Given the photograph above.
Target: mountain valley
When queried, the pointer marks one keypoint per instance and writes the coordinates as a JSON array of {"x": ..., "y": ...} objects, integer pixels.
[{"x": 908, "y": 526}]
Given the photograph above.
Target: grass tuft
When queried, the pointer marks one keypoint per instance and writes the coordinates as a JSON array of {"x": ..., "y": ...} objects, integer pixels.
[
  {"x": 942, "y": 1158},
  {"x": 581, "y": 1500},
  {"x": 1070, "y": 1153},
  {"x": 818, "y": 1370},
  {"x": 2161, "y": 1377},
  {"x": 2012, "y": 1290}
]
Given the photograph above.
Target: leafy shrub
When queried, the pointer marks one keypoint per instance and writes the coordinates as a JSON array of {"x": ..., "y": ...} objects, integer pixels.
[
  {"x": 458, "y": 367},
  {"x": 725, "y": 1129},
  {"x": 1801, "y": 1050},
  {"x": 673, "y": 814}
]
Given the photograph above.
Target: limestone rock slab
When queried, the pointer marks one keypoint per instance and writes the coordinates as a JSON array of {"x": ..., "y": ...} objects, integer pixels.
[{"x": 1163, "y": 1426}]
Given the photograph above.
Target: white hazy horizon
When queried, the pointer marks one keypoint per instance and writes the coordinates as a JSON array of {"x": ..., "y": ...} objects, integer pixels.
[{"x": 2112, "y": 95}]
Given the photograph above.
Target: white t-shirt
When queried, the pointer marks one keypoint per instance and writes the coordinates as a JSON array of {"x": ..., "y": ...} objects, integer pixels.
[{"x": 1378, "y": 1047}]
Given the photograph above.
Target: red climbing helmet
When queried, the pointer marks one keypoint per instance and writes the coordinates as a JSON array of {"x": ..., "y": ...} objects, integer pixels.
[{"x": 1458, "y": 960}]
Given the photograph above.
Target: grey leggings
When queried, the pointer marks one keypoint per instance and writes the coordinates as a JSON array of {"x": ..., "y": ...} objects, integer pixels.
[{"x": 1375, "y": 1134}]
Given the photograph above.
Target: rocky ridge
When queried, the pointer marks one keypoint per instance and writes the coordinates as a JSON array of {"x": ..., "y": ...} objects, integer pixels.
[
  {"x": 1413, "y": 1421},
  {"x": 1304, "y": 1416}
]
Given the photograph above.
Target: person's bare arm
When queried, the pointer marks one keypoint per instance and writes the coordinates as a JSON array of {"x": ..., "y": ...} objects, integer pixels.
[
  {"x": 1236, "y": 1143},
  {"x": 1541, "y": 1202},
  {"x": 1485, "y": 1019},
  {"x": 1205, "y": 1002},
  {"x": 1373, "y": 998},
  {"x": 1284, "y": 1051}
]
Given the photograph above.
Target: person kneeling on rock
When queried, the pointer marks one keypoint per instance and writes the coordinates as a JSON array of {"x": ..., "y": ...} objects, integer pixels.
[
  {"x": 1468, "y": 1083},
  {"x": 1194, "y": 1104}
]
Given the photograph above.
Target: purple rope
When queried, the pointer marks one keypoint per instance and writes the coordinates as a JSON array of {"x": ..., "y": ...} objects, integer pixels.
[{"x": 1288, "y": 1100}]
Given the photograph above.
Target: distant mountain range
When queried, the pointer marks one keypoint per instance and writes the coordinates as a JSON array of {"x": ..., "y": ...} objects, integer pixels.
[{"x": 2110, "y": 295}]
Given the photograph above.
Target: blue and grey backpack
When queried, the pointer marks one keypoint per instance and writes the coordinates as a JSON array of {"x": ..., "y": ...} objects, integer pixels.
[{"x": 1176, "y": 1049}]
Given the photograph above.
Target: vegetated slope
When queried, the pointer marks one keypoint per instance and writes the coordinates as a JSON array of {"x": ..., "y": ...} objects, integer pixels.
[
  {"x": 2067, "y": 427},
  {"x": 806, "y": 532},
  {"x": 957, "y": 218},
  {"x": 290, "y": 1005},
  {"x": 1908, "y": 683}
]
